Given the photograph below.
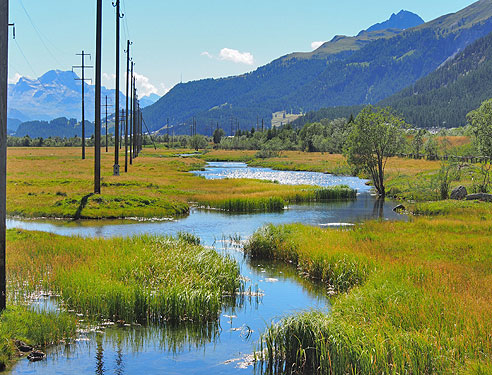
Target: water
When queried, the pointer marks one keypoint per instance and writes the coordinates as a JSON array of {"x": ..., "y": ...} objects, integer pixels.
[{"x": 221, "y": 348}]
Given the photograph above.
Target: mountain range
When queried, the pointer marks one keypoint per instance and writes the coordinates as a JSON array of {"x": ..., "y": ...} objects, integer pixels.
[
  {"x": 345, "y": 71},
  {"x": 57, "y": 94}
]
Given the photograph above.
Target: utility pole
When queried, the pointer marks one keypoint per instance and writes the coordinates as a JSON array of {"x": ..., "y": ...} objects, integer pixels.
[
  {"x": 116, "y": 167},
  {"x": 97, "y": 128},
  {"x": 4, "y": 55},
  {"x": 126, "y": 105},
  {"x": 140, "y": 125},
  {"x": 122, "y": 124},
  {"x": 83, "y": 67},
  {"x": 168, "y": 140},
  {"x": 106, "y": 105},
  {"x": 135, "y": 124},
  {"x": 131, "y": 115}
]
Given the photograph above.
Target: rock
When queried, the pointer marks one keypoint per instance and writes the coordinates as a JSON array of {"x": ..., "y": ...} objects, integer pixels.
[
  {"x": 479, "y": 197},
  {"x": 36, "y": 355},
  {"x": 459, "y": 193},
  {"x": 23, "y": 347},
  {"x": 400, "y": 207}
]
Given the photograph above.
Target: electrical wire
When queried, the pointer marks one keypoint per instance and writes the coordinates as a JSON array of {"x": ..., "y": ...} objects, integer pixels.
[
  {"x": 41, "y": 37},
  {"x": 36, "y": 77}
]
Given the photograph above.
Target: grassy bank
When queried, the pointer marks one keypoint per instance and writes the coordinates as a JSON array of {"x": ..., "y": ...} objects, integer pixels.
[
  {"x": 55, "y": 182},
  {"x": 142, "y": 279},
  {"x": 36, "y": 329},
  {"x": 419, "y": 295}
]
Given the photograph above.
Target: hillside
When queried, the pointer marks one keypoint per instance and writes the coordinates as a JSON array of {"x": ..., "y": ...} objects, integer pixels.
[
  {"x": 403, "y": 20},
  {"x": 444, "y": 97},
  {"x": 343, "y": 72},
  {"x": 60, "y": 127}
]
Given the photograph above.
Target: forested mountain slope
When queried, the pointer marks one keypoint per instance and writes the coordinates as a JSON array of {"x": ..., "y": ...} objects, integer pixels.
[{"x": 364, "y": 70}]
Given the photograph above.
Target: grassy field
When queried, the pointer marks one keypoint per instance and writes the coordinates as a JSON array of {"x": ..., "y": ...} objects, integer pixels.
[
  {"x": 410, "y": 179},
  {"x": 412, "y": 298},
  {"x": 55, "y": 182},
  {"x": 140, "y": 279}
]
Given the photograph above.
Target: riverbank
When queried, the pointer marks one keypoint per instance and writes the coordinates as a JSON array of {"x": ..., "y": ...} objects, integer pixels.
[
  {"x": 413, "y": 297},
  {"x": 142, "y": 279},
  {"x": 406, "y": 179},
  {"x": 22, "y": 330},
  {"x": 56, "y": 183}
]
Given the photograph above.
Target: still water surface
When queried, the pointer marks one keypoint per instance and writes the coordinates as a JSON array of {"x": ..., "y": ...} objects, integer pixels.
[{"x": 220, "y": 348}]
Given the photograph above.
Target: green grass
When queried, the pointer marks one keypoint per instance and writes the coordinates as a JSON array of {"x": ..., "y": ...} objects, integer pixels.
[
  {"x": 244, "y": 205},
  {"x": 413, "y": 297},
  {"x": 339, "y": 271},
  {"x": 38, "y": 329},
  {"x": 142, "y": 279}
]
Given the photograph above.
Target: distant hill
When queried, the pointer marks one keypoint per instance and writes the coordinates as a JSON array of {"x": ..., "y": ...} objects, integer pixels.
[
  {"x": 12, "y": 125},
  {"x": 145, "y": 101},
  {"x": 60, "y": 127},
  {"x": 343, "y": 72},
  {"x": 444, "y": 97},
  {"x": 403, "y": 20}
]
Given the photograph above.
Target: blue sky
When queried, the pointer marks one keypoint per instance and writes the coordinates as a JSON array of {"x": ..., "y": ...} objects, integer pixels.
[{"x": 191, "y": 38}]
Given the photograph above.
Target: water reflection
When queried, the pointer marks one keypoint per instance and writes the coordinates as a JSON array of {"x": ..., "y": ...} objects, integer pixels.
[{"x": 273, "y": 290}]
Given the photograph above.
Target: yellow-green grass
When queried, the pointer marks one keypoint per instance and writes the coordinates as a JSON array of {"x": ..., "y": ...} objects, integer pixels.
[
  {"x": 55, "y": 182},
  {"x": 141, "y": 279},
  {"x": 411, "y": 179},
  {"x": 419, "y": 297},
  {"x": 38, "y": 329}
]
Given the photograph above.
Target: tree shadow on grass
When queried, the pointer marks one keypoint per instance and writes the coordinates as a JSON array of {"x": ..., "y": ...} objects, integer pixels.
[{"x": 83, "y": 203}]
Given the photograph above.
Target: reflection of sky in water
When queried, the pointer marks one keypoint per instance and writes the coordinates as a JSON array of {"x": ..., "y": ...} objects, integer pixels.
[
  {"x": 150, "y": 350},
  {"x": 220, "y": 170}
]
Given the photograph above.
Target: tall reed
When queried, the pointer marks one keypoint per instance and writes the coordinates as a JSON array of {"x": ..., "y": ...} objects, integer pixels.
[{"x": 142, "y": 279}]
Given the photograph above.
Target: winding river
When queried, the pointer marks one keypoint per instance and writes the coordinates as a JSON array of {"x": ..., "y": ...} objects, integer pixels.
[{"x": 225, "y": 347}]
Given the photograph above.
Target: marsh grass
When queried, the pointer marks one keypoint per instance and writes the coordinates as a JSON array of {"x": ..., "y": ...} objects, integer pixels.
[
  {"x": 54, "y": 182},
  {"x": 142, "y": 279},
  {"x": 422, "y": 305},
  {"x": 339, "y": 271},
  {"x": 39, "y": 329}
]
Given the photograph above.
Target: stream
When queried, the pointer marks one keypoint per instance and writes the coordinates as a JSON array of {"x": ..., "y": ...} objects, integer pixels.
[{"x": 217, "y": 348}]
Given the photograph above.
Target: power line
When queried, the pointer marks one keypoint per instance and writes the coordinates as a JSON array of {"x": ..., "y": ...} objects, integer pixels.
[
  {"x": 83, "y": 79},
  {"x": 39, "y": 33},
  {"x": 26, "y": 60}
]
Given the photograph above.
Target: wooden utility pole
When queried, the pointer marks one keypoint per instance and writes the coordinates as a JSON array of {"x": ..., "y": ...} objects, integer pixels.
[
  {"x": 130, "y": 146},
  {"x": 134, "y": 114},
  {"x": 106, "y": 106},
  {"x": 122, "y": 127},
  {"x": 83, "y": 67},
  {"x": 126, "y": 104},
  {"x": 116, "y": 167},
  {"x": 4, "y": 55},
  {"x": 97, "y": 104},
  {"x": 168, "y": 140}
]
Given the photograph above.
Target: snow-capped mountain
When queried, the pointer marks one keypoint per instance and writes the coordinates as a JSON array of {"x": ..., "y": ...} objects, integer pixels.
[{"x": 58, "y": 94}]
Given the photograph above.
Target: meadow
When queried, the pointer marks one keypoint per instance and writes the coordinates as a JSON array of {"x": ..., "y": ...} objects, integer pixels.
[
  {"x": 406, "y": 178},
  {"x": 135, "y": 280},
  {"x": 411, "y": 297},
  {"x": 55, "y": 182}
]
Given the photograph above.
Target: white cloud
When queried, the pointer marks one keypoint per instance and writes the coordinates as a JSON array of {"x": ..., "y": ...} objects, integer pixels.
[
  {"x": 107, "y": 80},
  {"x": 15, "y": 78},
  {"x": 235, "y": 56},
  {"x": 228, "y": 54},
  {"x": 145, "y": 87},
  {"x": 316, "y": 45}
]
